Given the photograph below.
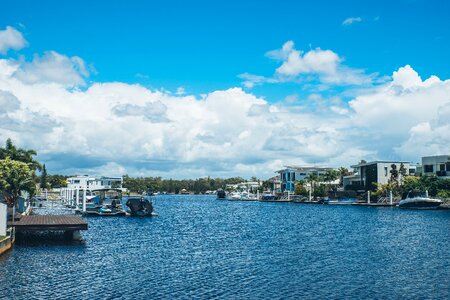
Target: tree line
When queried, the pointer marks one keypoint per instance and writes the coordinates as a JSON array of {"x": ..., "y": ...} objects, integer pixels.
[{"x": 158, "y": 184}]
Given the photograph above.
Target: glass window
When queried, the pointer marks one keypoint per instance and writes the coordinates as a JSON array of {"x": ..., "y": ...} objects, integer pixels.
[
  {"x": 428, "y": 168},
  {"x": 385, "y": 171},
  {"x": 293, "y": 176},
  {"x": 442, "y": 167},
  {"x": 447, "y": 165}
]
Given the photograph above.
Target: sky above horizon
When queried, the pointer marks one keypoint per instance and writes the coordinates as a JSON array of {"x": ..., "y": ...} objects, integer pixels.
[{"x": 185, "y": 89}]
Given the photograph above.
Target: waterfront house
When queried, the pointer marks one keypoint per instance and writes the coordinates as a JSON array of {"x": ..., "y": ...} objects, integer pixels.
[
  {"x": 368, "y": 174},
  {"x": 290, "y": 174},
  {"x": 93, "y": 183},
  {"x": 438, "y": 165}
]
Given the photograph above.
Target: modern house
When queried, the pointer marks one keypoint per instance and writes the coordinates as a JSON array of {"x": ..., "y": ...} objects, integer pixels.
[
  {"x": 92, "y": 183},
  {"x": 290, "y": 174},
  {"x": 368, "y": 174},
  {"x": 438, "y": 165}
]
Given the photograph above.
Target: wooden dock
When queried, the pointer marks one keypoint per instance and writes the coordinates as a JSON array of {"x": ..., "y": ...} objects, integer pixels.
[{"x": 50, "y": 223}]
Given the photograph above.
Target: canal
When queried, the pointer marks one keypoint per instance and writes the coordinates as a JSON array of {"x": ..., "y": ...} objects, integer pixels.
[{"x": 202, "y": 248}]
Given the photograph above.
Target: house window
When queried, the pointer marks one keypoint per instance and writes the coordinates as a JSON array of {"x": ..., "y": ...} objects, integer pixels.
[
  {"x": 428, "y": 168},
  {"x": 412, "y": 171},
  {"x": 447, "y": 166},
  {"x": 385, "y": 171},
  {"x": 442, "y": 167},
  {"x": 76, "y": 181},
  {"x": 293, "y": 176}
]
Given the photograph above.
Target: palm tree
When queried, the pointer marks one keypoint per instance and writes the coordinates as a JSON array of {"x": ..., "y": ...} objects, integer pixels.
[
  {"x": 312, "y": 178},
  {"x": 342, "y": 172},
  {"x": 20, "y": 154}
]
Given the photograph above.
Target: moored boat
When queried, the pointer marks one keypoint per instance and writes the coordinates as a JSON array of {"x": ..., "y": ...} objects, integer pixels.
[
  {"x": 419, "y": 201},
  {"x": 221, "y": 194},
  {"x": 140, "y": 206},
  {"x": 105, "y": 202}
]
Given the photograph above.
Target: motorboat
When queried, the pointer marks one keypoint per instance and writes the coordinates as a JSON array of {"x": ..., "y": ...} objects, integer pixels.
[
  {"x": 105, "y": 202},
  {"x": 140, "y": 206},
  {"x": 221, "y": 194},
  {"x": 414, "y": 200}
]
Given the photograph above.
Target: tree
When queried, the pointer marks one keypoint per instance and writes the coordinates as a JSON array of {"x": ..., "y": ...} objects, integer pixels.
[
  {"x": 402, "y": 171},
  {"x": 342, "y": 172},
  {"x": 312, "y": 178},
  {"x": 394, "y": 174},
  {"x": 300, "y": 188},
  {"x": 44, "y": 178},
  {"x": 15, "y": 177},
  {"x": 19, "y": 154}
]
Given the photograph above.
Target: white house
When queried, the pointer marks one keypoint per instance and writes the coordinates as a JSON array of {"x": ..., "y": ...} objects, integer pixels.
[
  {"x": 290, "y": 174},
  {"x": 92, "y": 183},
  {"x": 438, "y": 165},
  {"x": 368, "y": 174}
]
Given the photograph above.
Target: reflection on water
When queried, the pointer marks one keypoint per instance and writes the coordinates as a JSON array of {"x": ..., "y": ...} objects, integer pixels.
[{"x": 199, "y": 247}]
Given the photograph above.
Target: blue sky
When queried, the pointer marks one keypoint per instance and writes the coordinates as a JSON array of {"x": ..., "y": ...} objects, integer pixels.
[
  {"x": 290, "y": 63},
  {"x": 205, "y": 45}
]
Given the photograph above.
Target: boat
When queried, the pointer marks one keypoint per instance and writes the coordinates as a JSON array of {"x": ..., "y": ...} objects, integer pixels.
[
  {"x": 140, "y": 206},
  {"x": 267, "y": 196},
  {"x": 221, "y": 194},
  {"x": 105, "y": 202},
  {"x": 242, "y": 196},
  {"x": 414, "y": 200}
]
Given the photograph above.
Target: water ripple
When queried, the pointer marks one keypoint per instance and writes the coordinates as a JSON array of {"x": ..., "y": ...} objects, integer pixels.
[{"x": 201, "y": 248}]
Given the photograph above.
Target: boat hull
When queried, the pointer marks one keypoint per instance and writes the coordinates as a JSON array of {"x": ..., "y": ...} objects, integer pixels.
[{"x": 420, "y": 203}]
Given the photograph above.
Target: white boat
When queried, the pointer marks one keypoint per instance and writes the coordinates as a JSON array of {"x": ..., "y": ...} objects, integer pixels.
[
  {"x": 419, "y": 201},
  {"x": 242, "y": 196}
]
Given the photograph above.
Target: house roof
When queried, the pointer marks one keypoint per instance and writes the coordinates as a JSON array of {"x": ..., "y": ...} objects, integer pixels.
[
  {"x": 305, "y": 168},
  {"x": 380, "y": 162}
]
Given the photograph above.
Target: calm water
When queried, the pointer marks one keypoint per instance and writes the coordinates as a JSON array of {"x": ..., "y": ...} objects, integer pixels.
[{"x": 199, "y": 247}]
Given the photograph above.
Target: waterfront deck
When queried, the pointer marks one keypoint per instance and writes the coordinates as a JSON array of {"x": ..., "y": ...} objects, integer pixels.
[{"x": 50, "y": 223}]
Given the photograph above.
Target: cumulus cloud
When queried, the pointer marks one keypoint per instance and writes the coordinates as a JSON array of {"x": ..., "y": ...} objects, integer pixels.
[
  {"x": 151, "y": 111},
  {"x": 350, "y": 21},
  {"x": 116, "y": 127},
  {"x": 317, "y": 64},
  {"x": 53, "y": 67},
  {"x": 326, "y": 64},
  {"x": 11, "y": 38},
  {"x": 8, "y": 102}
]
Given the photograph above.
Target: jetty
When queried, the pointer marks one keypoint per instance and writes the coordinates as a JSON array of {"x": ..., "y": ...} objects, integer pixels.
[{"x": 69, "y": 224}]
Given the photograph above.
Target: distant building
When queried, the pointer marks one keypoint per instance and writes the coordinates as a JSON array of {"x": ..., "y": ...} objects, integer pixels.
[
  {"x": 368, "y": 174},
  {"x": 92, "y": 183},
  {"x": 275, "y": 183},
  {"x": 438, "y": 165},
  {"x": 244, "y": 186},
  {"x": 290, "y": 174}
]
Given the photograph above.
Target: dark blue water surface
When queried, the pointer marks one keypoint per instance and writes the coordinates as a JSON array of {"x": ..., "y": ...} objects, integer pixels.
[{"x": 201, "y": 248}]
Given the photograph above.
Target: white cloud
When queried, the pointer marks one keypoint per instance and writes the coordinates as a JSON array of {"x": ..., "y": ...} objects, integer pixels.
[
  {"x": 116, "y": 127},
  {"x": 11, "y": 38},
  {"x": 320, "y": 65},
  {"x": 53, "y": 67},
  {"x": 350, "y": 21}
]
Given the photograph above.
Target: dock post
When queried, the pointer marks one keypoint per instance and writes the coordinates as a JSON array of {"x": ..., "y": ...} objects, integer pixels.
[
  {"x": 390, "y": 197},
  {"x": 46, "y": 195},
  {"x": 84, "y": 200},
  {"x": 368, "y": 197},
  {"x": 289, "y": 196},
  {"x": 77, "y": 197},
  {"x": 310, "y": 194},
  {"x": 257, "y": 194},
  {"x": 426, "y": 193}
]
